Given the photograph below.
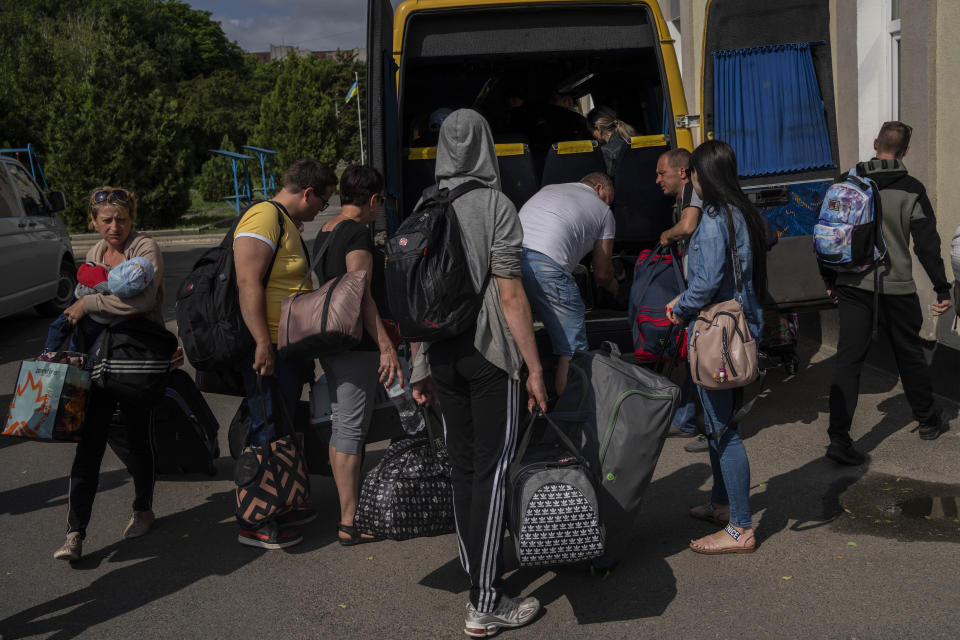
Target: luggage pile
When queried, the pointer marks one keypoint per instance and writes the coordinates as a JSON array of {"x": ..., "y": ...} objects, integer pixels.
[{"x": 625, "y": 412}]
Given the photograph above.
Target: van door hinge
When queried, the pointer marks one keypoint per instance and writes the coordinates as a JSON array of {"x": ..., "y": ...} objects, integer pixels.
[{"x": 687, "y": 121}]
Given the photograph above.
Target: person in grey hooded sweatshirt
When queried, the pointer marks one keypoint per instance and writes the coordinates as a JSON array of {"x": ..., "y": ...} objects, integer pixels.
[{"x": 476, "y": 375}]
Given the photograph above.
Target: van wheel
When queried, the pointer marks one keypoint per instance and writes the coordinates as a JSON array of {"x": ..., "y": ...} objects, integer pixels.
[{"x": 65, "y": 285}]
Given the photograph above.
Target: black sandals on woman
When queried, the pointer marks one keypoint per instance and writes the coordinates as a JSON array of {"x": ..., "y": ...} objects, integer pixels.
[{"x": 355, "y": 537}]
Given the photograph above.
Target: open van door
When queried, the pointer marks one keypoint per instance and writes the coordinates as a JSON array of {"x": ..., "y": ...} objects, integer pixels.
[
  {"x": 767, "y": 90},
  {"x": 382, "y": 128}
]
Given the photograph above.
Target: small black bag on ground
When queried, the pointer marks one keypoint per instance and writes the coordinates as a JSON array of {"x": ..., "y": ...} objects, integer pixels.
[
  {"x": 131, "y": 359},
  {"x": 183, "y": 429},
  {"x": 429, "y": 288},
  {"x": 409, "y": 493},
  {"x": 553, "y": 510}
]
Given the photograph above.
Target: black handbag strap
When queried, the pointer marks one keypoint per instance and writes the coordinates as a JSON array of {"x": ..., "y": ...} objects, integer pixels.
[
  {"x": 269, "y": 419},
  {"x": 734, "y": 254},
  {"x": 744, "y": 409},
  {"x": 557, "y": 431},
  {"x": 75, "y": 331},
  {"x": 318, "y": 264}
]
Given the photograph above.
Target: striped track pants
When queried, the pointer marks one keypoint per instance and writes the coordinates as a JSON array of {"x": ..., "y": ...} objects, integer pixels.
[{"x": 480, "y": 407}]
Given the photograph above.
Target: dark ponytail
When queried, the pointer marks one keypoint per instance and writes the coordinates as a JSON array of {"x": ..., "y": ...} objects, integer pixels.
[{"x": 716, "y": 167}]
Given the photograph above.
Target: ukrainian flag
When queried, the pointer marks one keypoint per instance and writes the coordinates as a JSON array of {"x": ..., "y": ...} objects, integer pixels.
[{"x": 352, "y": 92}]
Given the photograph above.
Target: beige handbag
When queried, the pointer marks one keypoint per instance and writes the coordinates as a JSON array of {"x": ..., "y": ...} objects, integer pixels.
[
  {"x": 723, "y": 354},
  {"x": 326, "y": 321}
]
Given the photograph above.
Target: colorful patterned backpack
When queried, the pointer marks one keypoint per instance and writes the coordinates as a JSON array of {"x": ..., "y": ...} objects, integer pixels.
[{"x": 848, "y": 235}]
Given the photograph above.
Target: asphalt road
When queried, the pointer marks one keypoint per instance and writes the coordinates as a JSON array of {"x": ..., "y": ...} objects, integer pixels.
[{"x": 819, "y": 572}]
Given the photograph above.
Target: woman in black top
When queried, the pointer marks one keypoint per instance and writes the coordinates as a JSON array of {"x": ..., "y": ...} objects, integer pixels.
[
  {"x": 353, "y": 377},
  {"x": 613, "y": 135}
]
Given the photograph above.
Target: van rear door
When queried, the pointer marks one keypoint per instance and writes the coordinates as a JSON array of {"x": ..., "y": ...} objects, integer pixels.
[
  {"x": 761, "y": 66},
  {"x": 382, "y": 129}
]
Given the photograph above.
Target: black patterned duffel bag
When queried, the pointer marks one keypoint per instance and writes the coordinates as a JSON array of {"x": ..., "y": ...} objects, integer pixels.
[
  {"x": 553, "y": 510},
  {"x": 408, "y": 494}
]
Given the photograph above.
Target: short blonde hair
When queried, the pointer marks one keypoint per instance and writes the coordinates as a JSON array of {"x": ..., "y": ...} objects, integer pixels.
[{"x": 128, "y": 205}]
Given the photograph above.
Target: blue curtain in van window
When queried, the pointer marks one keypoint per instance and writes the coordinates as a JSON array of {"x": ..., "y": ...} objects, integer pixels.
[{"x": 767, "y": 106}]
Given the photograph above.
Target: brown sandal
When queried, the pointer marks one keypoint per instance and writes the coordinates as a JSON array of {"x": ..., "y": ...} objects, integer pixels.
[
  {"x": 710, "y": 547},
  {"x": 707, "y": 513}
]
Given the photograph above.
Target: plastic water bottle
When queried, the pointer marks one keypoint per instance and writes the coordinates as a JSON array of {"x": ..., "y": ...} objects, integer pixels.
[{"x": 410, "y": 417}]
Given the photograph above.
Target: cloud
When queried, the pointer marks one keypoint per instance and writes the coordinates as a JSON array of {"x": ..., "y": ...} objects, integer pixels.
[{"x": 256, "y": 24}]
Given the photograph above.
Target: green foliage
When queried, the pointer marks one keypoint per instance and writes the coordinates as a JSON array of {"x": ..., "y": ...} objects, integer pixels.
[
  {"x": 305, "y": 114},
  {"x": 135, "y": 93},
  {"x": 216, "y": 175}
]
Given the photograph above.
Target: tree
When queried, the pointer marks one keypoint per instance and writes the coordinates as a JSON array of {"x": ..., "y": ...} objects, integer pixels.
[
  {"x": 96, "y": 86},
  {"x": 216, "y": 177},
  {"x": 297, "y": 118}
]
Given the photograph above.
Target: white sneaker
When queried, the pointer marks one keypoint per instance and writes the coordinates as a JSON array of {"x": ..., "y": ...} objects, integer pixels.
[{"x": 508, "y": 614}]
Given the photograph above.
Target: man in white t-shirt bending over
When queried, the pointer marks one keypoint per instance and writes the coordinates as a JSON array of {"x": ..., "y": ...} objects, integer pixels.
[{"x": 561, "y": 224}]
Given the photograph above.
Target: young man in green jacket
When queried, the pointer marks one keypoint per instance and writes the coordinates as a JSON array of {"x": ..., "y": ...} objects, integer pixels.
[{"x": 906, "y": 213}]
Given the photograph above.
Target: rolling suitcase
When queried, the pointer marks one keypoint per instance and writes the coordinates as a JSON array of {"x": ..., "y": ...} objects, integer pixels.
[
  {"x": 623, "y": 412},
  {"x": 183, "y": 429}
]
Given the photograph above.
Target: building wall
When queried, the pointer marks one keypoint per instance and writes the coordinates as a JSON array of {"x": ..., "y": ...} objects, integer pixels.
[
  {"x": 930, "y": 93},
  {"x": 946, "y": 186}
]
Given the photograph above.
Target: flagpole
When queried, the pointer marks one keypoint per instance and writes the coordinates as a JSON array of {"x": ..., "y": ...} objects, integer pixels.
[{"x": 356, "y": 77}]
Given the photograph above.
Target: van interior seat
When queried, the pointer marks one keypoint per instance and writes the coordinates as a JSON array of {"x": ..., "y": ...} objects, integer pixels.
[
  {"x": 640, "y": 208},
  {"x": 518, "y": 178},
  {"x": 419, "y": 167},
  {"x": 570, "y": 161}
]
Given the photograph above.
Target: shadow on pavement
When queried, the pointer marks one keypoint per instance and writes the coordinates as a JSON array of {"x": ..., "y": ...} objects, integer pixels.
[
  {"x": 166, "y": 564},
  {"x": 810, "y": 495},
  {"x": 641, "y": 586},
  {"x": 51, "y": 493}
]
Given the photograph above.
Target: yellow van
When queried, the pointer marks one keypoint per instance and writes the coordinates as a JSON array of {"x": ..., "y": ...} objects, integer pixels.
[{"x": 534, "y": 67}]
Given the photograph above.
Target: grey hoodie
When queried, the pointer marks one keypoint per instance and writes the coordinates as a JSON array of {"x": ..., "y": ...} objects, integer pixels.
[{"x": 492, "y": 235}]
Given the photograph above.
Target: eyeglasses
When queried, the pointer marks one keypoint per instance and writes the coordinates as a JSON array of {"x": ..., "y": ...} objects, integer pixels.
[
  {"x": 111, "y": 196},
  {"x": 326, "y": 203}
]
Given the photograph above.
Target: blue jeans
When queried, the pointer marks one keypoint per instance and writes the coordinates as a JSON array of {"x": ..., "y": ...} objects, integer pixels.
[
  {"x": 728, "y": 457},
  {"x": 289, "y": 377},
  {"x": 555, "y": 300},
  {"x": 686, "y": 414}
]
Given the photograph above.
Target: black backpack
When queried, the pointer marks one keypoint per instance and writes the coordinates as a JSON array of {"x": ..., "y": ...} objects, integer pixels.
[
  {"x": 209, "y": 321},
  {"x": 183, "y": 429},
  {"x": 131, "y": 359},
  {"x": 429, "y": 290}
]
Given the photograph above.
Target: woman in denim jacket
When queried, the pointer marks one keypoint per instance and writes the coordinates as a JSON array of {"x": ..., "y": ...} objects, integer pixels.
[{"x": 711, "y": 280}]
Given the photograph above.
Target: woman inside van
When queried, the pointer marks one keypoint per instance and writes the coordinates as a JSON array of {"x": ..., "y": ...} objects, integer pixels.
[
  {"x": 112, "y": 213},
  {"x": 612, "y": 134},
  {"x": 711, "y": 280}
]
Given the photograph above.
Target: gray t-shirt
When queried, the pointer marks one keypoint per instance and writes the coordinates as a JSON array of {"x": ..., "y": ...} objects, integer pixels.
[
  {"x": 563, "y": 221},
  {"x": 688, "y": 198}
]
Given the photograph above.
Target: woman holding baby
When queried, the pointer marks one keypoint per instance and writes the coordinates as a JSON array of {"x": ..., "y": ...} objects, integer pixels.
[{"x": 112, "y": 213}]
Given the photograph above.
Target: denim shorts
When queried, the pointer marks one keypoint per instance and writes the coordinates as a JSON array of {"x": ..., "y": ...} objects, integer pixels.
[{"x": 555, "y": 300}]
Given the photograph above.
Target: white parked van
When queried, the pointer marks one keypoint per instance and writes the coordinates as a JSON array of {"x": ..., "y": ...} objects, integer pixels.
[{"x": 36, "y": 260}]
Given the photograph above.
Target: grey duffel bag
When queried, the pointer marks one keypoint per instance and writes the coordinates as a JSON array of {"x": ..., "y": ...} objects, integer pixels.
[
  {"x": 629, "y": 410},
  {"x": 553, "y": 509}
]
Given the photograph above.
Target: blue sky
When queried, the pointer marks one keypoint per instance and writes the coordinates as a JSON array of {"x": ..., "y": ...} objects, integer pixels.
[{"x": 318, "y": 25}]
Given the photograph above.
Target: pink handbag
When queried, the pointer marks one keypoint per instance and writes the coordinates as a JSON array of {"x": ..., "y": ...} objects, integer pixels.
[
  {"x": 326, "y": 321},
  {"x": 723, "y": 354}
]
